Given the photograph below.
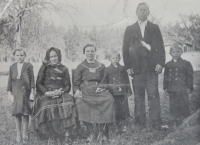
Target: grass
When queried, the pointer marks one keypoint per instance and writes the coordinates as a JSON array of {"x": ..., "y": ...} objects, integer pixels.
[{"x": 133, "y": 136}]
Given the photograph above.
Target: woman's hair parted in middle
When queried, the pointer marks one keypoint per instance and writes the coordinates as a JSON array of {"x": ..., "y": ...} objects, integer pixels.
[{"x": 89, "y": 45}]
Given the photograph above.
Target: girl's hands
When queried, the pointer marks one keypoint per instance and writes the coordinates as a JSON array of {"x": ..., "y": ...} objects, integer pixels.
[
  {"x": 166, "y": 92},
  {"x": 32, "y": 95},
  {"x": 10, "y": 97},
  {"x": 99, "y": 90},
  {"x": 78, "y": 94}
]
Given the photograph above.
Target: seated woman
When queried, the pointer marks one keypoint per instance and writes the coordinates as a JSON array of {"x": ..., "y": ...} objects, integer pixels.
[
  {"x": 54, "y": 111},
  {"x": 95, "y": 105}
]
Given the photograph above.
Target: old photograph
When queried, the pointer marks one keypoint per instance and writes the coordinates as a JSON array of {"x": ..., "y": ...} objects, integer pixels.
[{"x": 99, "y": 72}]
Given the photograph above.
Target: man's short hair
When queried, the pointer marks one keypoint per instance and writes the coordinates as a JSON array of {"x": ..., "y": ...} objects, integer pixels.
[
  {"x": 143, "y": 3},
  {"x": 113, "y": 52},
  {"x": 176, "y": 46},
  {"x": 19, "y": 49}
]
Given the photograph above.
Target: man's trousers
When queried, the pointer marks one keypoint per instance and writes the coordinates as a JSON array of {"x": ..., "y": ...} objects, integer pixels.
[{"x": 148, "y": 81}]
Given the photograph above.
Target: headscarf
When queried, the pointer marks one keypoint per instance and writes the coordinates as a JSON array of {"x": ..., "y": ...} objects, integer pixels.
[{"x": 47, "y": 57}]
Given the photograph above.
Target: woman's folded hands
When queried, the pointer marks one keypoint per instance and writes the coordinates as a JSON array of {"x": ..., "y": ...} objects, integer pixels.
[
  {"x": 54, "y": 94},
  {"x": 99, "y": 90},
  {"x": 78, "y": 93}
]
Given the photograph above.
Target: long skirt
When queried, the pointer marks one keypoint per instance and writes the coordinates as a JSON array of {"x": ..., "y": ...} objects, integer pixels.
[
  {"x": 95, "y": 107},
  {"x": 53, "y": 116},
  {"x": 21, "y": 104}
]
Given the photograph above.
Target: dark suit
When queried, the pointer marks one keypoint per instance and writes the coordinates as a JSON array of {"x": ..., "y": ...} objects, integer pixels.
[
  {"x": 117, "y": 78},
  {"x": 143, "y": 62},
  {"x": 119, "y": 87},
  {"x": 178, "y": 77}
]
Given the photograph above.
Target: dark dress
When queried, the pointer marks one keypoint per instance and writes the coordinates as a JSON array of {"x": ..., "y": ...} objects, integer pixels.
[
  {"x": 178, "y": 76},
  {"x": 119, "y": 87},
  {"x": 57, "y": 114},
  {"x": 21, "y": 86},
  {"x": 93, "y": 107}
]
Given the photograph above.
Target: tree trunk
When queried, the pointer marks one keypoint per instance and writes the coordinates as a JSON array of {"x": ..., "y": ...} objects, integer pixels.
[{"x": 187, "y": 133}]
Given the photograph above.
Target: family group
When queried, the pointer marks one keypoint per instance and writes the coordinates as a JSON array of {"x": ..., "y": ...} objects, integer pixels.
[{"x": 100, "y": 94}]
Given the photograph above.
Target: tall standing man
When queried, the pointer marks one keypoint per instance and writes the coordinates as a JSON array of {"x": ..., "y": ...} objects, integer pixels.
[{"x": 144, "y": 59}]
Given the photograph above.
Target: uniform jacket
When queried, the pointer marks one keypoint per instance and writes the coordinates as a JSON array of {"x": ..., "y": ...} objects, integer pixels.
[
  {"x": 178, "y": 76},
  {"x": 117, "y": 79},
  {"x": 134, "y": 52}
]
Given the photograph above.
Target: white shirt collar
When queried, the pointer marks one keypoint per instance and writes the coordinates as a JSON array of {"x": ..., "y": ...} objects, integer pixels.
[
  {"x": 175, "y": 60},
  {"x": 88, "y": 61},
  {"x": 142, "y": 23},
  {"x": 20, "y": 64},
  {"x": 115, "y": 66}
]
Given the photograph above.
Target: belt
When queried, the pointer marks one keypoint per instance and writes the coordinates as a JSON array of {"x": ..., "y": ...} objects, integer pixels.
[
  {"x": 91, "y": 82},
  {"x": 51, "y": 89}
]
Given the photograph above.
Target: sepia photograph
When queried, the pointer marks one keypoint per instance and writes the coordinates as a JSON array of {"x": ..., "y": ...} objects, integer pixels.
[{"x": 99, "y": 72}]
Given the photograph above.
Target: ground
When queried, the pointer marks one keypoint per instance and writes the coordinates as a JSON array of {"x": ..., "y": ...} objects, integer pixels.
[{"x": 134, "y": 136}]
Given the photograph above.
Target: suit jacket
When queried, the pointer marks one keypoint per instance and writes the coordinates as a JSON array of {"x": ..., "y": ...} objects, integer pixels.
[
  {"x": 117, "y": 78},
  {"x": 178, "y": 76},
  {"x": 132, "y": 38}
]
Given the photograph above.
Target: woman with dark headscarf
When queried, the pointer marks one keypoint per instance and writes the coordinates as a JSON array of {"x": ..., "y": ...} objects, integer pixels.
[
  {"x": 54, "y": 111},
  {"x": 95, "y": 105}
]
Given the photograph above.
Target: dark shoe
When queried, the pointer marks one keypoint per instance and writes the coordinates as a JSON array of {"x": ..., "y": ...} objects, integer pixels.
[
  {"x": 123, "y": 128},
  {"x": 157, "y": 125},
  {"x": 141, "y": 126},
  {"x": 165, "y": 127}
]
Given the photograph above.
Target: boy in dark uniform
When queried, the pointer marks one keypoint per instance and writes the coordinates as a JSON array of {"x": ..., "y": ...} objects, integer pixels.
[
  {"x": 178, "y": 83},
  {"x": 117, "y": 78}
]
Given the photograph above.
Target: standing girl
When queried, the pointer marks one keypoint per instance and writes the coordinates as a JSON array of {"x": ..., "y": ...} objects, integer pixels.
[{"x": 20, "y": 86}]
